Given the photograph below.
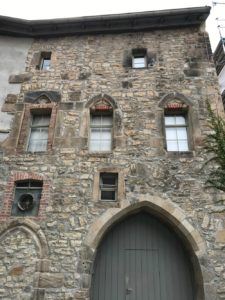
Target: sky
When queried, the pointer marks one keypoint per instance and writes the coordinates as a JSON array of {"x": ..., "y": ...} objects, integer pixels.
[{"x": 48, "y": 9}]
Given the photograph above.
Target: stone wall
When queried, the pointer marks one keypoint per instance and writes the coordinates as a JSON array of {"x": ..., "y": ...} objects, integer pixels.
[
  {"x": 18, "y": 265},
  {"x": 85, "y": 68}
]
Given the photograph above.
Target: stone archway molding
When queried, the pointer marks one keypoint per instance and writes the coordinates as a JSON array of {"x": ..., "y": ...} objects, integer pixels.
[
  {"x": 157, "y": 205},
  {"x": 98, "y": 97},
  {"x": 32, "y": 229},
  {"x": 172, "y": 96},
  {"x": 43, "y": 278}
]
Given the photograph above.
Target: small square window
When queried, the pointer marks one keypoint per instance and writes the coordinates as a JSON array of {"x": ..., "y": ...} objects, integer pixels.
[
  {"x": 176, "y": 133},
  {"x": 139, "y": 58},
  {"x": 139, "y": 62},
  {"x": 45, "y": 61},
  {"x": 108, "y": 186},
  {"x": 27, "y": 198},
  {"x": 38, "y": 139}
]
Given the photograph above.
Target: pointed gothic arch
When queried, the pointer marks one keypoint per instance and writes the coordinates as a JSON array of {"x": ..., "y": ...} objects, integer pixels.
[
  {"x": 32, "y": 229},
  {"x": 164, "y": 210},
  {"x": 174, "y": 96}
]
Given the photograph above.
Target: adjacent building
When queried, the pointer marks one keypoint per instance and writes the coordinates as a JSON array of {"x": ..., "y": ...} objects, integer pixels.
[
  {"x": 102, "y": 185},
  {"x": 219, "y": 59}
]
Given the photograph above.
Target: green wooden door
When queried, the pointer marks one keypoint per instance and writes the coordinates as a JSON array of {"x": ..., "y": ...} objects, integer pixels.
[{"x": 142, "y": 259}]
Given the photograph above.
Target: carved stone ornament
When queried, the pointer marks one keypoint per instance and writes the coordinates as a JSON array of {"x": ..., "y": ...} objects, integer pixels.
[{"x": 102, "y": 105}]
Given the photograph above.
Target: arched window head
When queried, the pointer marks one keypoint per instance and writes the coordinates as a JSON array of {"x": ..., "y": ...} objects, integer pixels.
[
  {"x": 43, "y": 99},
  {"x": 101, "y": 126}
]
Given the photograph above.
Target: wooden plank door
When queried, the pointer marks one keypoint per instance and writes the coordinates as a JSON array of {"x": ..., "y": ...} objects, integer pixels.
[
  {"x": 142, "y": 258},
  {"x": 142, "y": 276}
]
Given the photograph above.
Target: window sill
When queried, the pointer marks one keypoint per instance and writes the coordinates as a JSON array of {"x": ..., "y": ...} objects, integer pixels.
[
  {"x": 37, "y": 152},
  {"x": 175, "y": 154},
  {"x": 102, "y": 203},
  {"x": 144, "y": 68},
  {"x": 100, "y": 154}
]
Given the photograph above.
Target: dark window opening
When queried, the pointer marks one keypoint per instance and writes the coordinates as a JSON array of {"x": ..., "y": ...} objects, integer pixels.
[
  {"x": 108, "y": 186},
  {"x": 139, "y": 58},
  {"x": 45, "y": 61},
  {"x": 27, "y": 198}
]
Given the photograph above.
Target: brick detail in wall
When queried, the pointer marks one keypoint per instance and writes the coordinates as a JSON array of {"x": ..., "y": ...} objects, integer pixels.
[
  {"x": 8, "y": 197},
  {"x": 26, "y": 121}
]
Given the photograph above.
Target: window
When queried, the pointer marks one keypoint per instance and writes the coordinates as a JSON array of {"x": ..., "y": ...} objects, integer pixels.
[
  {"x": 176, "y": 133},
  {"x": 108, "y": 186},
  {"x": 45, "y": 60},
  {"x": 27, "y": 198},
  {"x": 139, "y": 58},
  {"x": 101, "y": 132},
  {"x": 39, "y": 133}
]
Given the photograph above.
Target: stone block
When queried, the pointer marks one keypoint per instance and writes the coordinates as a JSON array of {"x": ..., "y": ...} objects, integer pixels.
[
  {"x": 66, "y": 106},
  {"x": 11, "y": 99},
  {"x": 43, "y": 265},
  {"x": 220, "y": 236},
  {"x": 16, "y": 271},
  {"x": 31, "y": 97},
  {"x": 20, "y": 78},
  {"x": 51, "y": 280}
]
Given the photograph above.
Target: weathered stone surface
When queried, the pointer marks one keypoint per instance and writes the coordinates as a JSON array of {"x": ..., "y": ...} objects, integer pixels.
[
  {"x": 11, "y": 99},
  {"x": 74, "y": 96},
  {"x": 31, "y": 97},
  {"x": 20, "y": 78},
  {"x": 50, "y": 280},
  {"x": 16, "y": 271},
  {"x": 82, "y": 71},
  {"x": 220, "y": 236}
]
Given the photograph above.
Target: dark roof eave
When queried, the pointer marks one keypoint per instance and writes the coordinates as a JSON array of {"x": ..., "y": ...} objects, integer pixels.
[{"x": 129, "y": 22}]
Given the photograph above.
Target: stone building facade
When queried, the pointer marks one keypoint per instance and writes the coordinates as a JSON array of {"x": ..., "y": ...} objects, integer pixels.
[{"x": 134, "y": 72}]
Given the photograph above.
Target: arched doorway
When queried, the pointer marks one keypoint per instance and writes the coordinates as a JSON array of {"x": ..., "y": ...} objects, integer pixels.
[{"x": 141, "y": 258}]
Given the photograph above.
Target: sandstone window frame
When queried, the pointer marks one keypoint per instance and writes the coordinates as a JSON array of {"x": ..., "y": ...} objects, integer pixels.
[
  {"x": 45, "y": 61},
  {"x": 139, "y": 58},
  {"x": 26, "y": 200},
  {"x": 42, "y": 60},
  {"x": 117, "y": 125},
  {"x": 176, "y": 103},
  {"x": 24, "y": 131},
  {"x": 39, "y": 127},
  {"x": 99, "y": 128},
  {"x": 120, "y": 186},
  {"x": 148, "y": 56},
  {"x": 175, "y": 128},
  {"x": 108, "y": 185}
]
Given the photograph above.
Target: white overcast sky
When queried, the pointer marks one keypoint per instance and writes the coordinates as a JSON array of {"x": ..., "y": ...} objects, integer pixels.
[{"x": 48, "y": 9}]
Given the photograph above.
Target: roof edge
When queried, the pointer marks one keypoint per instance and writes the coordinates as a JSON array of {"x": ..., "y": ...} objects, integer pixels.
[{"x": 114, "y": 23}]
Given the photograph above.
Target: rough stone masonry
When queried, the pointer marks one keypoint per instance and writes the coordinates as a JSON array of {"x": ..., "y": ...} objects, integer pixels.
[{"x": 51, "y": 255}]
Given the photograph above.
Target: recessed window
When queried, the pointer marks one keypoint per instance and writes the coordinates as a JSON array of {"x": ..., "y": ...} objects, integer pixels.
[
  {"x": 176, "y": 133},
  {"x": 38, "y": 139},
  {"x": 139, "y": 58},
  {"x": 101, "y": 125},
  {"x": 45, "y": 60},
  {"x": 27, "y": 198},
  {"x": 108, "y": 186}
]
